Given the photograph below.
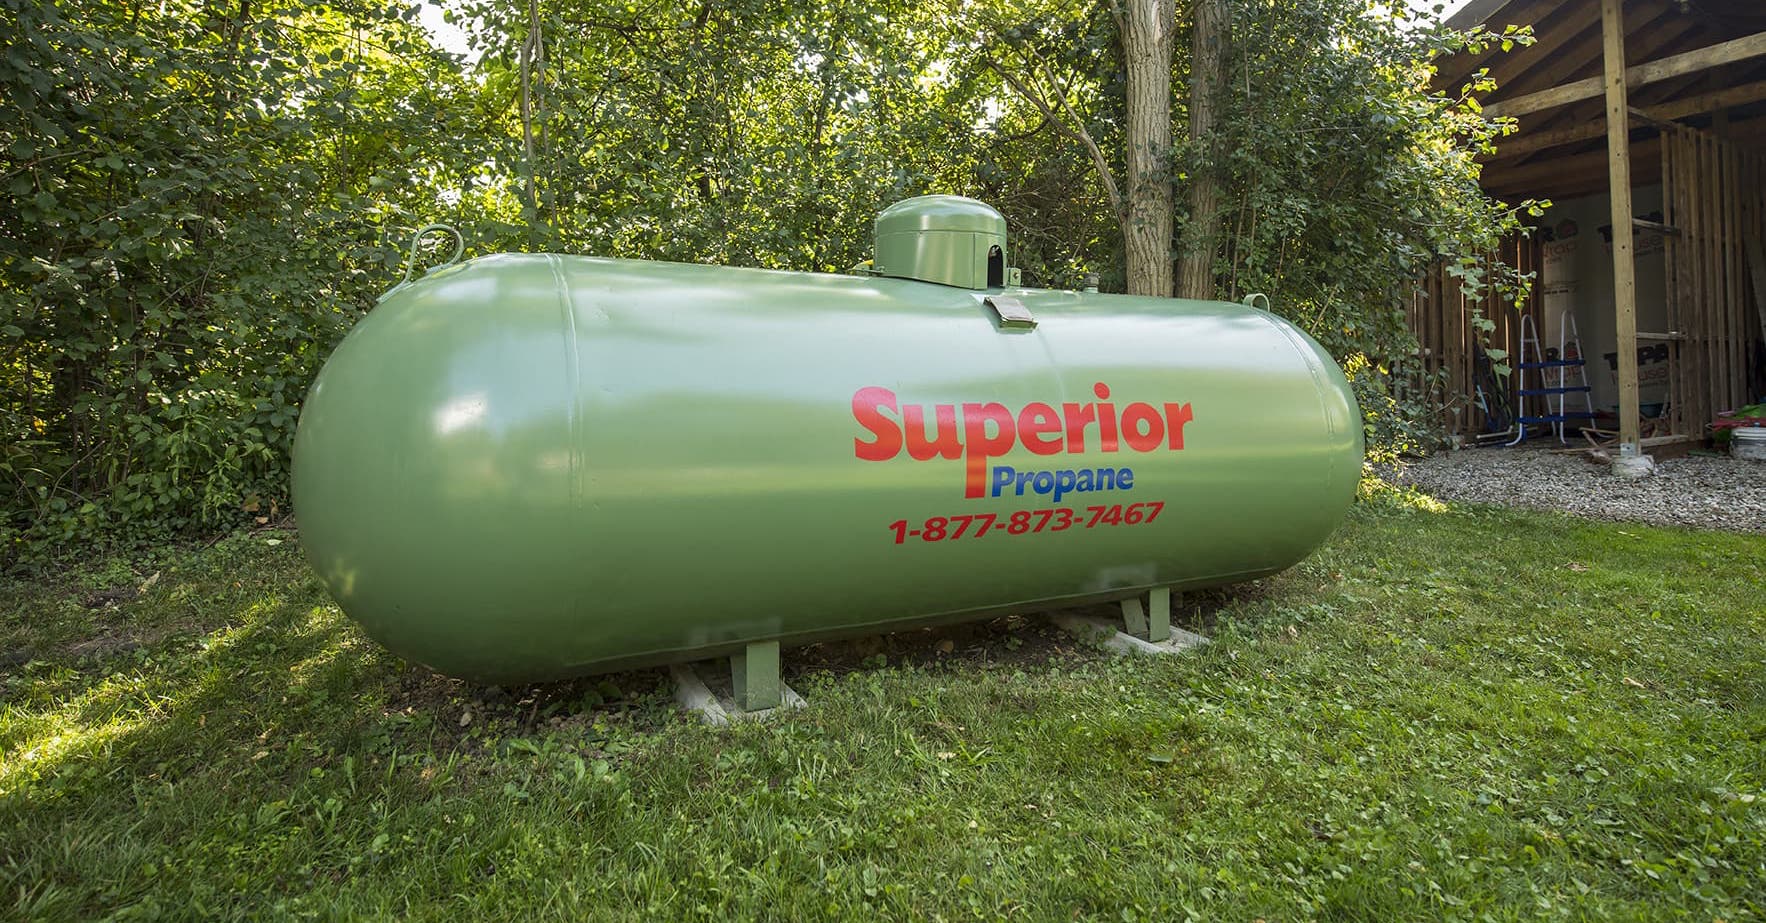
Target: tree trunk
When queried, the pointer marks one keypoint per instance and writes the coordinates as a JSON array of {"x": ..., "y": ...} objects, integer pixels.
[
  {"x": 1195, "y": 274},
  {"x": 529, "y": 207},
  {"x": 529, "y": 63},
  {"x": 1147, "y": 29}
]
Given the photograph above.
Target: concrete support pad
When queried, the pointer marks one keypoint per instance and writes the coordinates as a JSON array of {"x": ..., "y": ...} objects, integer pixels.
[
  {"x": 1632, "y": 467},
  {"x": 694, "y": 695},
  {"x": 1095, "y": 627}
]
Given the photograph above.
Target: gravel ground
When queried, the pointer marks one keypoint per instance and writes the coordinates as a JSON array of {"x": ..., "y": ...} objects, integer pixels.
[{"x": 1707, "y": 493}]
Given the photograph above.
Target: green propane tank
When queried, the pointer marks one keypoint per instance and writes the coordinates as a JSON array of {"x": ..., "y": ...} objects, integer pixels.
[{"x": 531, "y": 466}]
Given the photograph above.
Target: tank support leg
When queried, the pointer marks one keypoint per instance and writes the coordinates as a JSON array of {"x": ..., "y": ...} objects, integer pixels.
[
  {"x": 755, "y": 675},
  {"x": 1159, "y": 614},
  {"x": 1152, "y": 622}
]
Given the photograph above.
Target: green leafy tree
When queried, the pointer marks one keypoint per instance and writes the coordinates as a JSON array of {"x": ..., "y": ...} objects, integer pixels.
[
  {"x": 1346, "y": 176},
  {"x": 195, "y": 207},
  {"x": 752, "y": 133}
]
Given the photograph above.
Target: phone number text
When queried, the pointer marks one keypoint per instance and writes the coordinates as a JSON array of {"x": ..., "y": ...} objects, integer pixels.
[{"x": 1060, "y": 519}]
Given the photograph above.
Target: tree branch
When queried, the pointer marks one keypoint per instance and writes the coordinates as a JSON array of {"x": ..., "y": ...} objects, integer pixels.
[{"x": 1074, "y": 130}]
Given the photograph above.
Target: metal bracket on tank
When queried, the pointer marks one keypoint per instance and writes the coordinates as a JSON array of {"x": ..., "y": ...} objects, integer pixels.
[{"x": 1011, "y": 311}]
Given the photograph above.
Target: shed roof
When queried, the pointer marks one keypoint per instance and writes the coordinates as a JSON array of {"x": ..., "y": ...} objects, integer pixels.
[{"x": 1706, "y": 64}]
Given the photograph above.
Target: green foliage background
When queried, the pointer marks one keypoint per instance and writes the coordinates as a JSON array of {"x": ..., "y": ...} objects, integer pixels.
[{"x": 197, "y": 199}]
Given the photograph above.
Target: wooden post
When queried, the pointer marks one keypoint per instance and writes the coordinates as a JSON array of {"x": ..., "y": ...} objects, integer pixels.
[{"x": 1619, "y": 184}]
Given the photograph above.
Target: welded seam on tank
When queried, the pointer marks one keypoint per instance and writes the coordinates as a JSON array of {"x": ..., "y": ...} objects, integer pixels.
[
  {"x": 573, "y": 376},
  {"x": 1308, "y": 357}
]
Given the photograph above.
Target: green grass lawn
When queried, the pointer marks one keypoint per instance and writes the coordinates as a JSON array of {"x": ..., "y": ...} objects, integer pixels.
[{"x": 1461, "y": 714}]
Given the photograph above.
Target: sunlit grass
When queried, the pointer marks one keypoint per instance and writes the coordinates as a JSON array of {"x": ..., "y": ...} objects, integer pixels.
[{"x": 1445, "y": 713}]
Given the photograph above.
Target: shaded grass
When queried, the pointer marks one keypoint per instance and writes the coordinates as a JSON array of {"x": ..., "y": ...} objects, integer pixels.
[{"x": 1459, "y": 714}]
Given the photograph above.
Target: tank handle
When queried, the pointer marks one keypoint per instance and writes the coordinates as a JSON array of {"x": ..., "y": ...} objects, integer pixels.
[
  {"x": 1252, "y": 299},
  {"x": 416, "y": 241}
]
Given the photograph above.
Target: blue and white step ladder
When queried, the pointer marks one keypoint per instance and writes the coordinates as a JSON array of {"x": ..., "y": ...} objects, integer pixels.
[{"x": 1561, "y": 377}]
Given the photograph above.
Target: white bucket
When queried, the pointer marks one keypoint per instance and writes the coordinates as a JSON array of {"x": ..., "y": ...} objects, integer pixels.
[{"x": 1748, "y": 442}]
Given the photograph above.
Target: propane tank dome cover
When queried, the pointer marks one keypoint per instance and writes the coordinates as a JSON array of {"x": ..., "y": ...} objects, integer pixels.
[
  {"x": 947, "y": 239},
  {"x": 941, "y": 213}
]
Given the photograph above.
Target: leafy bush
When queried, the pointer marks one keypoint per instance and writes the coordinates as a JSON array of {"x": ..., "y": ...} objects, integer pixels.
[
  {"x": 195, "y": 207},
  {"x": 1350, "y": 175}
]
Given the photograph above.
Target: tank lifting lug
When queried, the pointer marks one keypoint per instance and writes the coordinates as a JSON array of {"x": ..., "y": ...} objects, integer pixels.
[
  {"x": 1153, "y": 622},
  {"x": 755, "y": 675}
]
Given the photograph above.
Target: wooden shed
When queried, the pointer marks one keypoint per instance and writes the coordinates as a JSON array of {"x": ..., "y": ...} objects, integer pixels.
[{"x": 1644, "y": 123}]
